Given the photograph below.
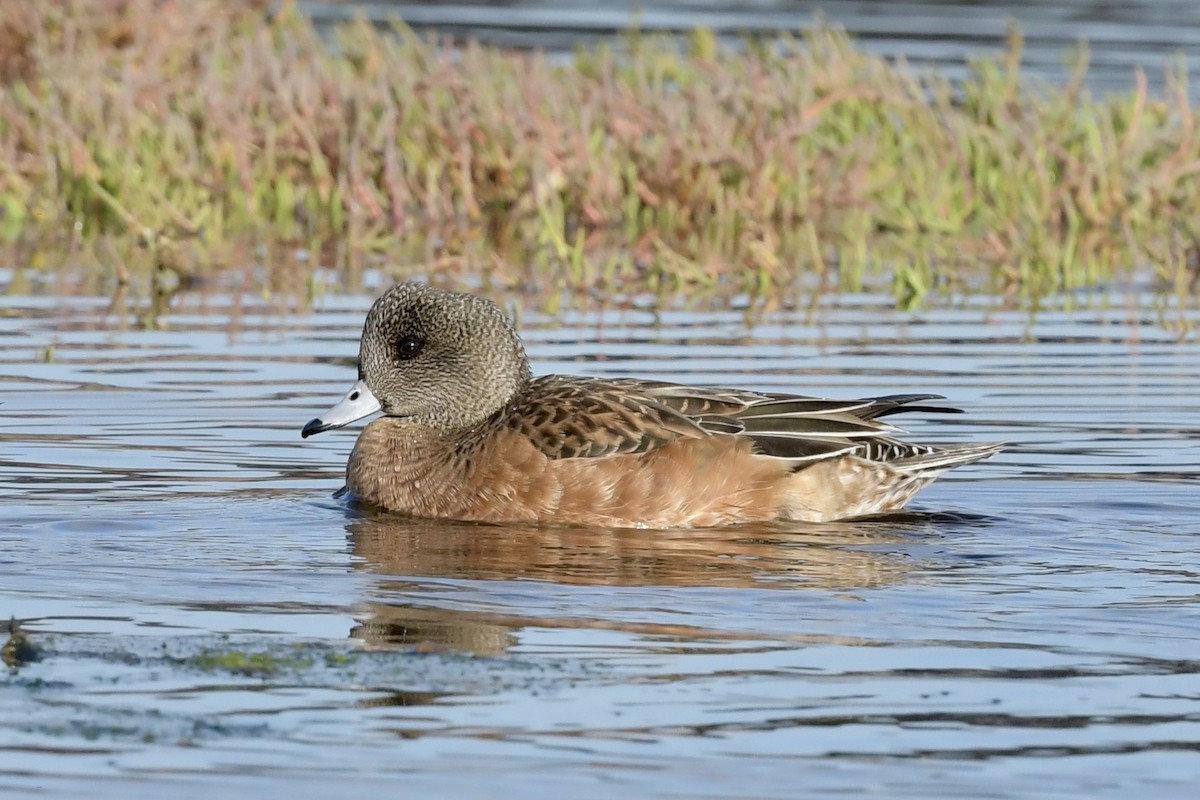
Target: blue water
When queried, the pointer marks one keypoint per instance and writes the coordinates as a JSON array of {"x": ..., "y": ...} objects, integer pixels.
[
  {"x": 945, "y": 34},
  {"x": 1031, "y": 631}
]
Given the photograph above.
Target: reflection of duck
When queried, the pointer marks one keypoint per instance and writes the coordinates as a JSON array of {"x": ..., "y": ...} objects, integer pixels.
[
  {"x": 403, "y": 550},
  {"x": 434, "y": 629},
  {"x": 469, "y": 434},
  {"x": 830, "y": 556}
]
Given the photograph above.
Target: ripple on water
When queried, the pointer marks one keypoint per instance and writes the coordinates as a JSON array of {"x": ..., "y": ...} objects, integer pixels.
[{"x": 206, "y": 611}]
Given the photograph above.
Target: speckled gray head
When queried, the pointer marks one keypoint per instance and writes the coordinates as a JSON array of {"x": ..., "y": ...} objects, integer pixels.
[{"x": 443, "y": 359}]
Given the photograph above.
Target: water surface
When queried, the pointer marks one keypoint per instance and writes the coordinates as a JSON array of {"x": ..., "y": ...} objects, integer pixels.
[
  {"x": 1032, "y": 629},
  {"x": 1122, "y": 37}
]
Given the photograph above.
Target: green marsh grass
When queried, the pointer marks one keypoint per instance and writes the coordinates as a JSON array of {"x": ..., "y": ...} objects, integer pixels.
[{"x": 190, "y": 137}]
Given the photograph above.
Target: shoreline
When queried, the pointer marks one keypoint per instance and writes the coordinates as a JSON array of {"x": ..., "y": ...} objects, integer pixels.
[{"x": 210, "y": 133}]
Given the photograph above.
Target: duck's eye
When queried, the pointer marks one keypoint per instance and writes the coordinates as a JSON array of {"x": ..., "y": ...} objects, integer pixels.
[{"x": 408, "y": 346}]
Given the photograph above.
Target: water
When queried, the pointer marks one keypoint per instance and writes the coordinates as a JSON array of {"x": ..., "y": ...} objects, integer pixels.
[
  {"x": 1146, "y": 34},
  {"x": 1032, "y": 630}
]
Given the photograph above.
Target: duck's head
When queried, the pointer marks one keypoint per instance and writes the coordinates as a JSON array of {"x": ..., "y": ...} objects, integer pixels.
[{"x": 443, "y": 359}]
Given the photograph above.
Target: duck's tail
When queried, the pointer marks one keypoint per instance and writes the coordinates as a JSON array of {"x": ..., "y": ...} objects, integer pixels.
[
  {"x": 850, "y": 486},
  {"x": 940, "y": 459}
]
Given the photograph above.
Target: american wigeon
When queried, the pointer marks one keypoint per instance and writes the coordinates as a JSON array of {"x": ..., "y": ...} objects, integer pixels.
[{"x": 468, "y": 433}]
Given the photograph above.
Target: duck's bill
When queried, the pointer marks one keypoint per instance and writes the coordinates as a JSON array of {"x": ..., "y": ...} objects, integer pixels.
[{"x": 358, "y": 403}]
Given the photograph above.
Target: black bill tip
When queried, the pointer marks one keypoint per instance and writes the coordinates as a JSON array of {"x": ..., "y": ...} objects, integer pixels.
[{"x": 313, "y": 426}]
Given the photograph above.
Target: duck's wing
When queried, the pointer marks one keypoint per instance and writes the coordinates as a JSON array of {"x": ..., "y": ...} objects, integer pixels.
[
  {"x": 572, "y": 417},
  {"x": 805, "y": 429},
  {"x": 701, "y": 401}
]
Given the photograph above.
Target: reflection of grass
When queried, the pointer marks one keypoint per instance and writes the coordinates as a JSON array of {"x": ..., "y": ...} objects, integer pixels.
[{"x": 173, "y": 136}]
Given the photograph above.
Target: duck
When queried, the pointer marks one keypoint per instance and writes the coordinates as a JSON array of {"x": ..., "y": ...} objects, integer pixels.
[{"x": 468, "y": 433}]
